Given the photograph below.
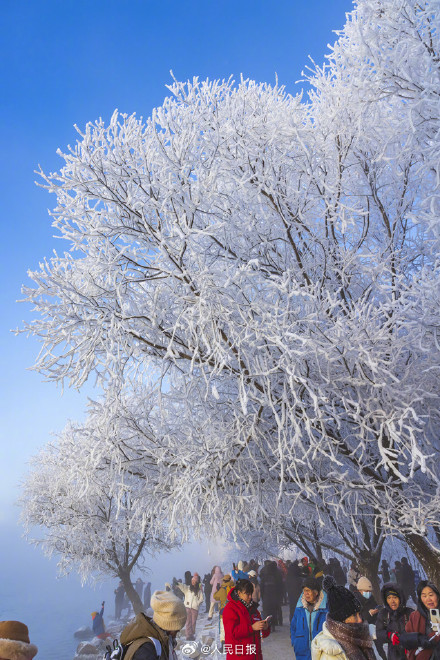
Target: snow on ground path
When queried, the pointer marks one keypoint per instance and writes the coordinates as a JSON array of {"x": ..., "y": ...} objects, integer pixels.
[{"x": 275, "y": 647}]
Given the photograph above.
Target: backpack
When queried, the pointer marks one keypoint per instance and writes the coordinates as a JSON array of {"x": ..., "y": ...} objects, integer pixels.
[{"x": 120, "y": 652}]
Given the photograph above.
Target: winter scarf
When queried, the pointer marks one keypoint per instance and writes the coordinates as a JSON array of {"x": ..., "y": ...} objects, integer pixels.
[{"x": 354, "y": 638}]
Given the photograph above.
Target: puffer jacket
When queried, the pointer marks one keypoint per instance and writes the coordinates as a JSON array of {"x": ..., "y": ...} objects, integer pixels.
[
  {"x": 326, "y": 647},
  {"x": 306, "y": 625},
  {"x": 241, "y": 641},
  {"x": 222, "y": 594},
  {"x": 192, "y": 600},
  {"x": 392, "y": 621}
]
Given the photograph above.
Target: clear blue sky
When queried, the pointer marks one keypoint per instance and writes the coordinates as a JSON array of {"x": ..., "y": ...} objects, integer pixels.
[{"x": 72, "y": 61}]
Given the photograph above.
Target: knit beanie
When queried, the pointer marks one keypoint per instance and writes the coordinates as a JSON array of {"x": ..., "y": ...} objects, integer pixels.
[
  {"x": 391, "y": 590},
  {"x": 364, "y": 584},
  {"x": 341, "y": 602},
  {"x": 168, "y": 611},
  {"x": 312, "y": 584},
  {"x": 14, "y": 641}
]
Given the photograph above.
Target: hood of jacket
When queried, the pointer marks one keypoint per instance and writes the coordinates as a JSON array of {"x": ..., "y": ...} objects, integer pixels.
[
  {"x": 218, "y": 573},
  {"x": 420, "y": 607},
  {"x": 143, "y": 626},
  {"x": 227, "y": 581},
  {"x": 395, "y": 587}
]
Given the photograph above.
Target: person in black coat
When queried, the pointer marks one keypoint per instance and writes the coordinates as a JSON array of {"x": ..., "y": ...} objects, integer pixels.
[
  {"x": 272, "y": 588},
  {"x": 147, "y": 595},
  {"x": 207, "y": 590},
  {"x": 294, "y": 586},
  {"x": 119, "y": 600},
  {"x": 369, "y": 608},
  {"x": 339, "y": 574},
  {"x": 385, "y": 572},
  {"x": 392, "y": 619},
  {"x": 408, "y": 580}
]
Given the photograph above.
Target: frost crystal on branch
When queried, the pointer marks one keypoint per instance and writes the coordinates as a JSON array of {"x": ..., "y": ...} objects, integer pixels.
[{"x": 272, "y": 265}]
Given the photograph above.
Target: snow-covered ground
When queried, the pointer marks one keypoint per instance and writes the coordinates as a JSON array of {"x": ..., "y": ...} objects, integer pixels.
[
  {"x": 275, "y": 647},
  {"x": 207, "y": 645}
]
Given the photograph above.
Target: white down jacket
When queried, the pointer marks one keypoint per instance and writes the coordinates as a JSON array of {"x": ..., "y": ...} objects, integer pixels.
[
  {"x": 325, "y": 647},
  {"x": 191, "y": 599}
]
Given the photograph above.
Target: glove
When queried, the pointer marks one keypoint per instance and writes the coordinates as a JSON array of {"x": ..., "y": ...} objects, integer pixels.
[{"x": 394, "y": 639}]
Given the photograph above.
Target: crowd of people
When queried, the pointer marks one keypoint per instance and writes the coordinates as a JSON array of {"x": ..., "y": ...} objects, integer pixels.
[{"x": 328, "y": 621}]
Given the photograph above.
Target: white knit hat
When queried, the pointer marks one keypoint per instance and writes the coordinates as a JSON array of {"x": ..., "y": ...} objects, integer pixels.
[
  {"x": 364, "y": 584},
  {"x": 169, "y": 611}
]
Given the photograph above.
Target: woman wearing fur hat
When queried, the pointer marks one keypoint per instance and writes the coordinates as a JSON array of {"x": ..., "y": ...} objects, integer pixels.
[
  {"x": 308, "y": 618},
  {"x": 392, "y": 620},
  {"x": 421, "y": 622},
  {"x": 14, "y": 641},
  {"x": 155, "y": 639},
  {"x": 344, "y": 635}
]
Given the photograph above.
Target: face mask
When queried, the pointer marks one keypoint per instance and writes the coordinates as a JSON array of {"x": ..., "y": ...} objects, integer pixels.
[{"x": 366, "y": 594}]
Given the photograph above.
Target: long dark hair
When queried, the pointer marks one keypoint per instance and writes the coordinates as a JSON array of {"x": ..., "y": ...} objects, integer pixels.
[{"x": 195, "y": 587}]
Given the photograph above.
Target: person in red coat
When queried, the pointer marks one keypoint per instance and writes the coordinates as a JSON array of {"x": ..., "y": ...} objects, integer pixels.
[
  {"x": 421, "y": 622},
  {"x": 244, "y": 627}
]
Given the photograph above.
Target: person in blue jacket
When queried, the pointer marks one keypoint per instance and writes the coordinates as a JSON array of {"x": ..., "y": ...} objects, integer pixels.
[
  {"x": 238, "y": 573},
  {"x": 308, "y": 618},
  {"x": 98, "y": 623}
]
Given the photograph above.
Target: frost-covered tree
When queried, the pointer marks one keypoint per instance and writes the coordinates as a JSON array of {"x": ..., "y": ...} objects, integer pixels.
[
  {"x": 275, "y": 263},
  {"x": 94, "y": 512}
]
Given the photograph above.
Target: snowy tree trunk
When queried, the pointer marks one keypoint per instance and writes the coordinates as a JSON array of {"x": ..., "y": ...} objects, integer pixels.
[
  {"x": 131, "y": 592},
  {"x": 369, "y": 567},
  {"x": 428, "y": 557}
]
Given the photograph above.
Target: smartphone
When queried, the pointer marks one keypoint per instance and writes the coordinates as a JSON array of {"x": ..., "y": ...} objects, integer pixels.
[
  {"x": 269, "y": 618},
  {"x": 435, "y": 620}
]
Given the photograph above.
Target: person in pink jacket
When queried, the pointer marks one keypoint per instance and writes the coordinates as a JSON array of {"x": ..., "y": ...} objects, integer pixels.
[{"x": 216, "y": 581}]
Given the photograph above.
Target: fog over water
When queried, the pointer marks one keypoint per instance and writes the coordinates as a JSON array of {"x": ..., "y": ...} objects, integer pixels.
[{"x": 53, "y": 608}]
